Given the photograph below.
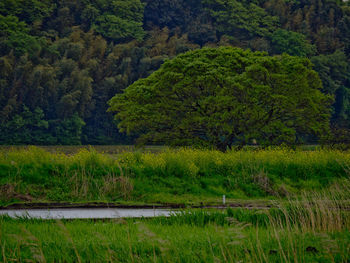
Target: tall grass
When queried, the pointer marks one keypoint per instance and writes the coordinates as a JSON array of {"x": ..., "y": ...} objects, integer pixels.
[
  {"x": 314, "y": 228},
  {"x": 304, "y": 229},
  {"x": 170, "y": 176},
  {"x": 86, "y": 175}
]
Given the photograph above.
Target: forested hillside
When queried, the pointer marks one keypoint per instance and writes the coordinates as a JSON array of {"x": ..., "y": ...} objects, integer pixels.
[{"x": 62, "y": 60}]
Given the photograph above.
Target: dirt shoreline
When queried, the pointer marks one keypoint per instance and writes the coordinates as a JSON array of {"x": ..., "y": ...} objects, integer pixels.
[
  {"x": 53, "y": 205},
  {"x": 247, "y": 204}
]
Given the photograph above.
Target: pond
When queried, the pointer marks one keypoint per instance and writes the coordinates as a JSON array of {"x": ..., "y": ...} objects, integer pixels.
[{"x": 85, "y": 213}]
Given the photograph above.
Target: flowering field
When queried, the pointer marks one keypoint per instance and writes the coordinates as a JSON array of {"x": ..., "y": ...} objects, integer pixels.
[{"x": 183, "y": 176}]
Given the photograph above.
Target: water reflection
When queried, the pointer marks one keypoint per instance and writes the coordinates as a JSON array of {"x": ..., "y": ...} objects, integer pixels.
[{"x": 85, "y": 213}]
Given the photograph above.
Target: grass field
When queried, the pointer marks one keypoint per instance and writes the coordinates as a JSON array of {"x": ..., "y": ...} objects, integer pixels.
[
  {"x": 303, "y": 232},
  {"x": 184, "y": 176},
  {"x": 310, "y": 191}
]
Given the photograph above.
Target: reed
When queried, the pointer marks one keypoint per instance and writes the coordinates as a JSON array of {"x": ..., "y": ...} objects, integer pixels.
[{"x": 181, "y": 175}]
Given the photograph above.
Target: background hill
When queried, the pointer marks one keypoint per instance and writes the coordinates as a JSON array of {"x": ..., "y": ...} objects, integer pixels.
[{"x": 62, "y": 60}]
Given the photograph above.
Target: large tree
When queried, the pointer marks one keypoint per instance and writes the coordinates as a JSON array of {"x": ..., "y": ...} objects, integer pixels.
[{"x": 219, "y": 97}]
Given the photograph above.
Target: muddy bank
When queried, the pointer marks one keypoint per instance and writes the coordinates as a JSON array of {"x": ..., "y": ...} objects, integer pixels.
[{"x": 52, "y": 205}]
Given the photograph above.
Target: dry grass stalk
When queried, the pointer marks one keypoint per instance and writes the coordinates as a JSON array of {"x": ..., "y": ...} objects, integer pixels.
[
  {"x": 130, "y": 247},
  {"x": 111, "y": 255},
  {"x": 35, "y": 246},
  {"x": 69, "y": 238},
  {"x": 116, "y": 185},
  {"x": 3, "y": 252}
]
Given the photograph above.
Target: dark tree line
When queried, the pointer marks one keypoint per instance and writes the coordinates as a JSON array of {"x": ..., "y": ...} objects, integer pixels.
[{"x": 62, "y": 60}]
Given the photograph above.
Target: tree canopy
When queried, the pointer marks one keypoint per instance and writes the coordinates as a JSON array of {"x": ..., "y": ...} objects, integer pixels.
[
  {"x": 223, "y": 96},
  {"x": 62, "y": 60}
]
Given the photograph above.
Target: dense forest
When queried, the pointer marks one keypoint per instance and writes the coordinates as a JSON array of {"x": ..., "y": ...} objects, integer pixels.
[{"x": 61, "y": 61}]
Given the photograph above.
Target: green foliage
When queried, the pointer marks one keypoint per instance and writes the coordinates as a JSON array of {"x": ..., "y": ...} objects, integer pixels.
[
  {"x": 121, "y": 20},
  {"x": 118, "y": 29},
  {"x": 240, "y": 18},
  {"x": 10, "y": 24},
  {"x": 292, "y": 43},
  {"x": 334, "y": 71},
  {"x": 27, "y": 128},
  {"x": 29, "y": 11},
  {"x": 218, "y": 97},
  {"x": 344, "y": 28},
  {"x": 32, "y": 128},
  {"x": 14, "y": 36},
  {"x": 68, "y": 131}
]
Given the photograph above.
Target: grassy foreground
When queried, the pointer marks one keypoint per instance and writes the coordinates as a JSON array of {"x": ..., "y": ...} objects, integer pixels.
[
  {"x": 297, "y": 232},
  {"x": 312, "y": 224},
  {"x": 173, "y": 176}
]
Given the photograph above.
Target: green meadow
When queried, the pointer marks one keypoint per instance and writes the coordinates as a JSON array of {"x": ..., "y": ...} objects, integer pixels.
[
  {"x": 309, "y": 191},
  {"x": 181, "y": 176},
  {"x": 307, "y": 232}
]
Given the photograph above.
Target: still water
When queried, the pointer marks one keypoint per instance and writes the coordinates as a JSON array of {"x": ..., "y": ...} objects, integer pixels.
[{"x": 85, "y": 213}]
